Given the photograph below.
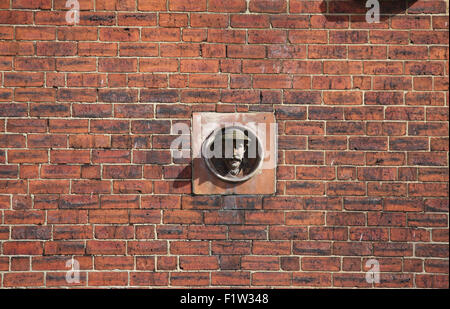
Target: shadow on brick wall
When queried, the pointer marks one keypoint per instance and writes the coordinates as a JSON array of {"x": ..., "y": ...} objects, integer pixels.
[{"x": 387, "y": 8}]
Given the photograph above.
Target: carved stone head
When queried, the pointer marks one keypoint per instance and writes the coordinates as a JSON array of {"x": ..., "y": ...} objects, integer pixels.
[{"x": 228, "y": 152}]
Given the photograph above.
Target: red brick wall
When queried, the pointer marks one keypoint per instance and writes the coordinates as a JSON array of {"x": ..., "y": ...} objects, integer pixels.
[{"x": 85, "y": 118}]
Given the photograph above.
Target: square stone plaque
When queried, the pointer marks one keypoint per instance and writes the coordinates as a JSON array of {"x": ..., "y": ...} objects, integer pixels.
[{"x": 255, "y": 173}]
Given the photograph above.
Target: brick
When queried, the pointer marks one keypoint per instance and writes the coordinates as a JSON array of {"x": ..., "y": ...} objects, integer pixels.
[
  {"x": 72, "y": 232},
  {"x": 392, "y": 249},
  {"x": 311, "y": 248},
  {"x": 368, "y": 143},
  {"x": 200, "y": 96},
  {"x": 27, "y": 156},
  {"x": 321, "y": 263},
  {"x": 74, "y": 33},
  {"x": 187, "y": 5},
  {"x": 404, "y": 234},
  {"x": 182, "y": 216},
  {"x": 35, "y": 95},
  {"x": 173, "y": 19},
  {"x": 386, "y": 189},
  {"x": 91, "y": 186},
  {"x": 264, "y": 6},
  {"x": 206, "y": 232},
  {"x": 230, "y": 278},
  {"x": 312, "y": 37},
  {"x": 151, "y": 157},
  {"x": 97, "y": 49},
  {"x": 199, "y": 263},
  {"x": 16, "y": 17},
  {"x": 128, "y": 110},
  {"x": 367, "y": 52},
  {"x": 260, "y": 263},
  {"x": 313, "y": 279},
  {"x": 105, "y": 247},
  {"x": 267, "y": 36},
  {"x": 161, "y": 34},
  {"x": 248, "y": 20},
  {"x": 305, "y": 188},
  {"x": 247, "y": 232},
  {"x": 24, "y": 217},
  {"x": 67, "y": 216},
  {"x": 440, "y": 235},
  {"x": 194, "y": 35},
  {"x": 41, "y": 33},
  {"x": 438, "y": 144},
  {"x": 433, "y": 174},
  {"x": 208, "y": 81},
  {"x": 271, "y": 248},
  {"x": 224, "y": 217},
  {"x": 226, "y": 36},
  {"x": 164, "y": 96},
  {"x": 432, "y": 281},
  {"x": 64, "y": 171},
  {"x": 24, "y": 279},
  {"x": 234, "y": 6},
  {"x": 26, "y": 125},
  {"x": 107, "y": 279},
  {"x": 427, "y": 158},
  {"x": 19, "y": 263},
  {"x": 209, "y": 20},
  {"x": 388, "y": 36},
  {"x": 157, "y": 5},
  {"x": 332, "y": 83},
  {"x": 413, "y": 265},
  {"x": 346, "y": 189},
  {"x": 22, "y": 248},
  {"x": 348, "y": 37},
  {"x": 199, "y": 66},
  {"x": 16, "y": 48},
  {"x": 272, "y": 279},
  {"x": 109, "y": 126},
  {"x": 113, "y": 201},
  {"x": 34, "y": 64},
  {"x": 328, "y": 233},
  {"x": 122, "y": 172},
  {"x": 147, "y": 247},
  {"x": 98, "y": 19},
  {"x": 117, "y": 65},
  {"x": 135, "y": 19},
  {"x": 69, "y": 156},
  {"x": 86, "y": 64},
  {"x": 149, "y": 278},
  {"x": 345, "y": 219},
  {"x": 56, "y": 49},
  {"x": 327, "y": 52},
  {"x": 189, "y": 278},
  {"x": 286, "y": 21},
  {"x": 327, "y": 143},
  {"x": 89, "y": 141},
  {"x": 166, "y": 263},
  {"x": 386, "y": 219},
  {"x": 114, "y": 232},
  {"x": 180, "y": 50},
  {"x": 189, "y": 248},
  {"x": 7, "y": 33},
  {"x": 113, "y": 263},
  {"x": 246, "y": 51}
]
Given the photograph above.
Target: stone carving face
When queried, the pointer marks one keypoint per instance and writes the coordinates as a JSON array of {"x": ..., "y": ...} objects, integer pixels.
[
  {"x": 234, "y": 163},
  {"x": 239, "y": 140}
]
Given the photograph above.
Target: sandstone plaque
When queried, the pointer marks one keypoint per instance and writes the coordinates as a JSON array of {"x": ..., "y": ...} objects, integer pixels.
[{"x": 234, "y": 153}]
